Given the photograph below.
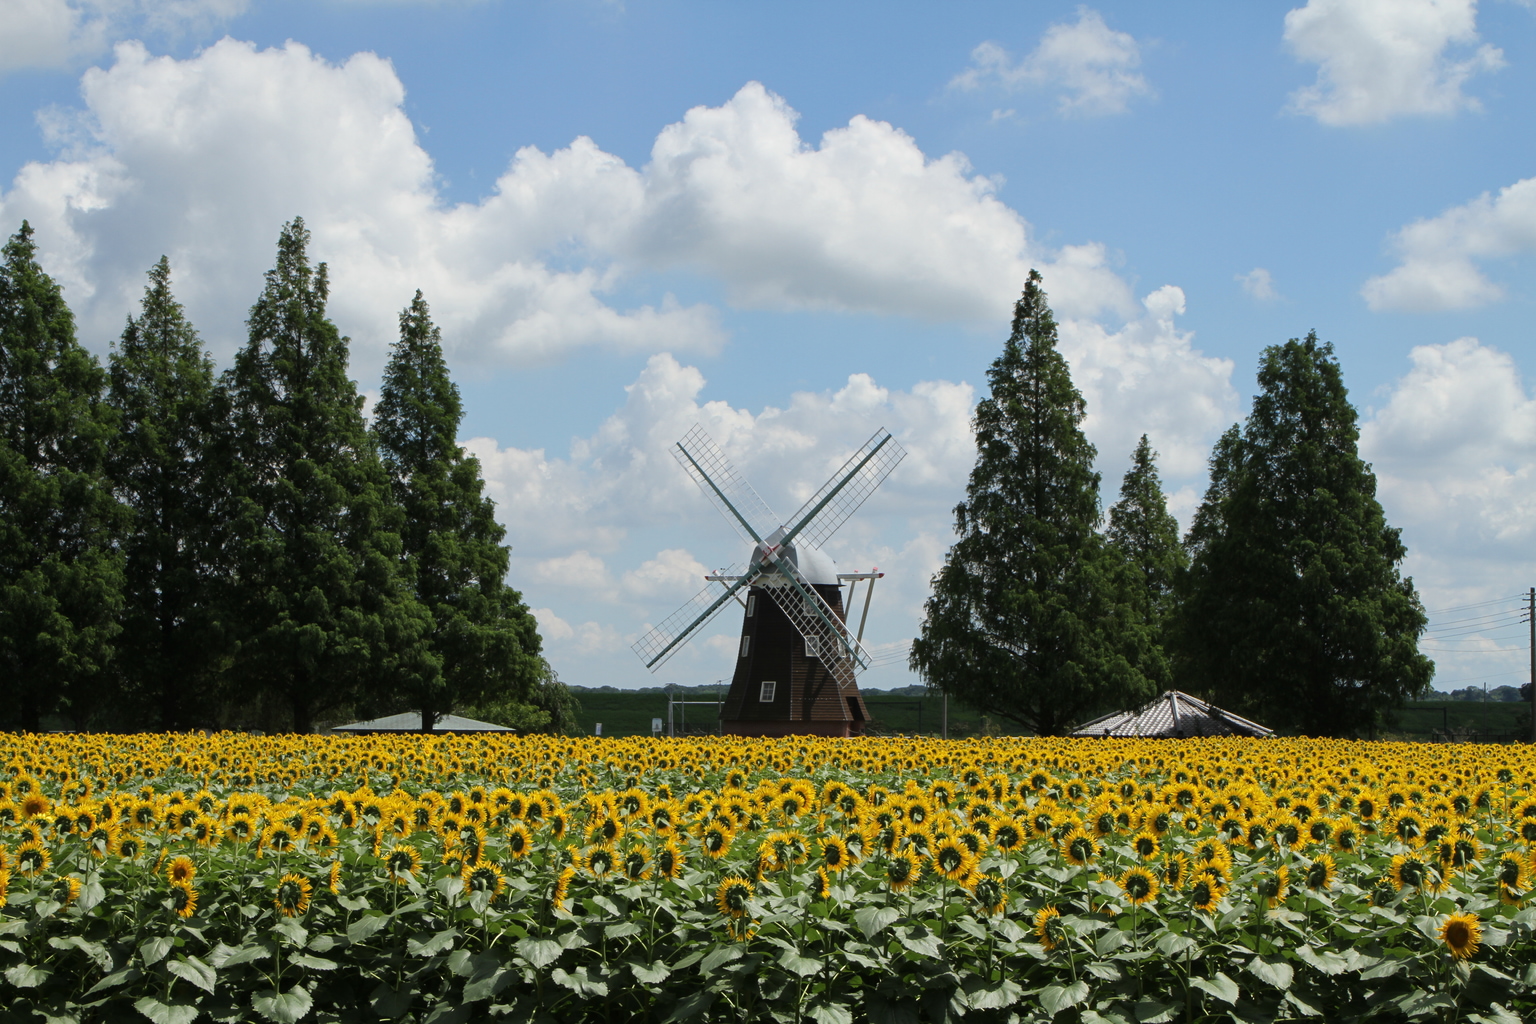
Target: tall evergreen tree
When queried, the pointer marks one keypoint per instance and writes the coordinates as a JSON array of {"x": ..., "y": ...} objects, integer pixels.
[
  {"x": 61, "y": 575},
  {"x": 1147, "y": 537},
  {"x": 323, "y": 608},
  {"x": 171, "y": 649},
  {"x": 484, "y": 640},
  {"x": 1293, "y": 609},
  {"x": 1027, "y": 621}
]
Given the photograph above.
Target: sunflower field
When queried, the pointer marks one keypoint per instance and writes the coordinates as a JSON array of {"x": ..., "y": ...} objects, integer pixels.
[{"x": 238, "y": 878}]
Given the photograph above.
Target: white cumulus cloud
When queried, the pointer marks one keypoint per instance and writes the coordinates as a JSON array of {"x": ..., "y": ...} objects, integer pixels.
[
  {"x": 1092, "y": 66},
  {"x": 1259, "y": 284},
  {"x": 1380, "y": 59},
  {"x": 619, "y": 506},
  {"x": 1438, "y": 269},
  {"x": 1454, "y": 449},
  {"x": 60, "y": 33},
  {"x": 203, "y": 159}
]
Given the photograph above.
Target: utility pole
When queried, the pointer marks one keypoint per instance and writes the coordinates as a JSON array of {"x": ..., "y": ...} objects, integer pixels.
[{"x": 1530, "y": 617}]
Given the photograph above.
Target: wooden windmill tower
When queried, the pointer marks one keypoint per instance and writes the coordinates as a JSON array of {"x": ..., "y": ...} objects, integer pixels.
[{"x": 797, "y": 659}]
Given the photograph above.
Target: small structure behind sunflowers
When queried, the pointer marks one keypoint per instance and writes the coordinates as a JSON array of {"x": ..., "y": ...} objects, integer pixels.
[{"x": 1172, "y": 715}]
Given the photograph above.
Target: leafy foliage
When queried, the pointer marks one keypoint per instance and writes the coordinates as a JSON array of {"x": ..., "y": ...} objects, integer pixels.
[
  {"x": 1029, "y": 620},
  {"x": 172, "y": 646},
  {"x": 1293, "y": 609},
  {"x": 484, "y": 642},
  {"x": 61, "y": 576},
  {"x": 1146, "y": 536},
  {"x": 321, "y": 600}
]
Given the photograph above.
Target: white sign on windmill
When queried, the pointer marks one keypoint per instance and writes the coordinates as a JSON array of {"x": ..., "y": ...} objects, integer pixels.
[{"x": 797, "y": 660}]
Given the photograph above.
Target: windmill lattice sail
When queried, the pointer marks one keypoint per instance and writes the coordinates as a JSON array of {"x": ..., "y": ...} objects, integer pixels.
[{"x": 797, "y": 660}]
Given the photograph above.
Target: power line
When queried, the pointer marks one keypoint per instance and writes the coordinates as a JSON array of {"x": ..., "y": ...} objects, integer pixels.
[
  {"x": 1457, "y": 650},
  {"x": 1516, "y": 615},
  {"x": 1474, "y": 632},
  {"x": 1517, "y": 599},
  {"x": 1479, "y": 634}
]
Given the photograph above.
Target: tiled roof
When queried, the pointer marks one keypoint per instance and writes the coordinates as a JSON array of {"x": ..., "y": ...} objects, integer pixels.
[
  {"x": 410, "y": 721},
  {"x": 1171, "y": 715}
]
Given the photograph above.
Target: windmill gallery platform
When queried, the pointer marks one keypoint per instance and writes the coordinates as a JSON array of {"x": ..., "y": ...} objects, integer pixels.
[{"x": 797, "y": 659}]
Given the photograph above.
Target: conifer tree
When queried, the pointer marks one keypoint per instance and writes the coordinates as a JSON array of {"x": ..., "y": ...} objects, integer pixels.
[
  {"x": 171, "y": 649},
  {"x": 60, "y": 573},
  {"x": 1027, "y": 621},
  {"x": 484, "y": 641},
  {"x": 1146, "y": 536},
  {"x": 317, "y": 590},
  {"x": 1293, "y": 609}
]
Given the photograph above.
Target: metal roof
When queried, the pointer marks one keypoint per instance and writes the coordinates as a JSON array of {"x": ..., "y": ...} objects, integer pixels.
[
  {"x": 410, "y": 721},
  {"x": 1173, "y": 714}
]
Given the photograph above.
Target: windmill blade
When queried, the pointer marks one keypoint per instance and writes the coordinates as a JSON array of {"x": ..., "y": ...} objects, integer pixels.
[
  {"x": 668, "y": 638},
  {"x": 841, "y": 496},
  {"x": 816, "y": 621},
  {"x": 742, "y": 507}
]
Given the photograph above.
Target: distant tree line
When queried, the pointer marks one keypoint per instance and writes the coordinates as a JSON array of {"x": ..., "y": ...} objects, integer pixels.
[
  {"x": 1283, "y": 601},
  {"x": 181, "y": 548},
  {"x": 1497, "y": 694}
]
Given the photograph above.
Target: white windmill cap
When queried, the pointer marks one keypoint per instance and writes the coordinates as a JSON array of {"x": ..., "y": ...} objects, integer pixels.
[{"x": 815, "y": 565}]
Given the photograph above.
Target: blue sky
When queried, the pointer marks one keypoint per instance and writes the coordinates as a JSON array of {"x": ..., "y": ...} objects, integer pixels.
[{"x": 794, "y": 224}]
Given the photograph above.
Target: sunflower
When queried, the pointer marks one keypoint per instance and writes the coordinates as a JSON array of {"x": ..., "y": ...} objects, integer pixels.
[
  {"x": 1138, "y": 884},
  {"x": 471, "y": 843},
  {"x": 734, "y": 896},
  {"x": 1274, "y": 886},
  {"x": 952, "y": 859},
  {"x": 562, "y": 889},
  {"x": 716, "y": 838},
  {"x": 1407, "y": 827},
  {"x": 834, "y": 854},
  {"x": 129, "y": 847},
  {"x": 1007, "y": 834},
  {"x": 66, "y": 890},
  {"x": 1175, "y": 871},
  {"x": 1146, "y": 844},
  {"x": 484, "y": 877},
  {"x": 1079, "y": 847},
  {"x": 1408, "y": 871},
  {"x": 101, "y": 840},
  {"x": 669, "y": 860},
  {"x": 903, "y": 870},
  {"x": 1320, "y": 873},
  {"x": 183, "y": 899},
  {"x": 637, "y": 863},
  {"x": 1049, "y": 927},
  {"x": 293, "y": 893},
  {"x": 1205, "y": 893},
  {"x": 990, "y": 895},
  {"x": 1346, "y": 837},
  {"x": 402, "y": 863},
  {"x": 1462, "y": 934},
  {"x": 519, "y": 841},
  {"x": 205, "y": 831},
  {"x": 180, "y": 869},
  {"x": 1459, "y": 852},
  {"x": 32, "y": 858},
  {"x": 333, "y": 877},
  {"x": 606, "y": 832},
  {"x": 598, "y": 861}
]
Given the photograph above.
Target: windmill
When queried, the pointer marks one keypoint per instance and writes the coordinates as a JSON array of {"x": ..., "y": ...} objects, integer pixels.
[{"x": 797, "y": 659}]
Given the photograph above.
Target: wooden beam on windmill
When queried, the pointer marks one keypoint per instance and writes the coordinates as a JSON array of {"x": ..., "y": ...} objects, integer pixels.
[{"x": 797, "y": 659}]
